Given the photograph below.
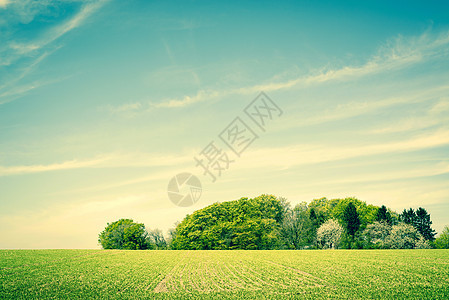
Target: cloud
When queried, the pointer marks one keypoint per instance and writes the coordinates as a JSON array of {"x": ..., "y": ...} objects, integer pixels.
[
  {"x": 158, "y": 176},
  {"x": 389, "y": 176},
  {"x": 395, "y": 54},
  {"x": 4, "y": 3},
  {"x": 25, "y": 56},
  {"x": 201, "y": 96},
  {"x": 436, "y": 115},
  {"x": 17, "y": 91},
  {"x": 127, "y": 107},
  {"x": 296, "y": 155},
  {"x": 113, "y": 160},
  {"x": 59, "y": 30},
  {"x": 72, "y": 164},
  {"x": 441, "y": 107}
]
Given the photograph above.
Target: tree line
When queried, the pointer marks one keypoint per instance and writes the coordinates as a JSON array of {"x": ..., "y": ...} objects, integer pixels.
[{"x": 269, "y": 222}]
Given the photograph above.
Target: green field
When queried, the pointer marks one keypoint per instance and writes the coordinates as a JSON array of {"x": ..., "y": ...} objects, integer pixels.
[{"x": 114, "y": 274}]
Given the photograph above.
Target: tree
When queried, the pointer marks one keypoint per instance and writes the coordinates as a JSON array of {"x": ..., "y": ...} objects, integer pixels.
[
  {"x": 297, "y": 229},
  {"x": 366, "y": 212},
  {"x": 124, "y": 234},
  {"x": 383, "y": 215},
  {"x": 442, "y": 241},
  {"x": 351, "y": 219},
  {"x": 423, "y": 224},
  {"x": 240, "y": 224},
  {"x": 156, "y": 238},
  {"x": 407, "y": 216},
  {"x": 422, "y": 243},
  {"x": 420, "y": 220},
  {"x": 376, "y": 234},
  {"x": 329, "y": 234},
  {"x": 404, "y": 236}
]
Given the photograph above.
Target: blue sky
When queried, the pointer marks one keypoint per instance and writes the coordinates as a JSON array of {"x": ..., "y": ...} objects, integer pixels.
[{"x": 102, "y": 102}]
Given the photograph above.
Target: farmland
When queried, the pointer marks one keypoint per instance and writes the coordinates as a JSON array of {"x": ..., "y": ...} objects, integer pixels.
[{"x": 116, "y": 274}]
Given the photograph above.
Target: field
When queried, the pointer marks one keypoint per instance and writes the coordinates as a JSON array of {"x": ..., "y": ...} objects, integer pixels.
[{"x": 113, "y": 274}]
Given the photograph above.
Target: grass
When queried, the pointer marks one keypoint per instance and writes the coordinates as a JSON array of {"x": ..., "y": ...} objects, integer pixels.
[{"x": 113, "y": 274}]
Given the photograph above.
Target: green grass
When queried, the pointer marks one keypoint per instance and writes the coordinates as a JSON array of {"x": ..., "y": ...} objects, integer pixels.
[{"x": 336, "y": 274}]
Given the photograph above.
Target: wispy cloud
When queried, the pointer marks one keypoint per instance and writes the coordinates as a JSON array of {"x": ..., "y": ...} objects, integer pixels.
[
  {"x": 396, "y": 54},
  {"x": 436, "y": 115},
  {"x": 201, "y": 96},
  {"x": 58, "y": 30},
  {"x": 13, "y": 92},
  {"x": 296, "y": 155},
  {"x": 23, "y": 57},
  {"x": 4, "y": 3},
  {"x": 113, "y": 160},
  {"x": 67, "y": 165},
  {"x": 127, "y": 107}
]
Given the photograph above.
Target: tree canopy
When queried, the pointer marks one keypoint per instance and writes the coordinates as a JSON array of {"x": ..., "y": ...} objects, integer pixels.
[
  {"x": 351, "y": 219},
  {"x": 442, "y": 242},
  {"x": 123, "y": 234},
  {"x": 420, "y": 220},
  {"x": 240, "y": 224},
  {"x": 383, "y": 215},
  {"x": 126, "y": 234},
  {"x": 269, "y": 222}
]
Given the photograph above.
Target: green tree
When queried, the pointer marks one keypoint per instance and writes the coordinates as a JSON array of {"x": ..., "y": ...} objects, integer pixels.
[
  {"x": 423, "y": 224},
  {"x": 366, "y": 212},
  {"x": 408, "y": 216},
  {"x": 297, "y": 228},
  {"x": 420, "y": 220},
  {"x": 383, "y": 215},
  {"x": 240, "y": 224},
  {"x": 351, "y": 219},
  {"x": 124, "y": 234},
  {"x": 442, "y": 241}
]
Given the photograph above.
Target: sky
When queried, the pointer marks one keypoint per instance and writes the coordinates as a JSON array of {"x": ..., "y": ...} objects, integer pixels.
[{"x": 103, "y": 102}]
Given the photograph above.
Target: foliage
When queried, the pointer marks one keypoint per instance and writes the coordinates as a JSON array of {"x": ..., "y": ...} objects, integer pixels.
[
  {"x": 335, "y": 208},
  {"x": 422, "y": 243},
  {"x": 298, "y": 227},
  {"x": 420, "y": 220},
  {"x": 407, "y": 216},
  {"x": 383, "y": 215},
  {"x": 267, "y": 222},
  {"x": 124, "y": 234},
  {"x": 423, "y": 224},
  {"x": 376, "y": 234},
  {"x": 156, "y": 238},
  {"x": 329, "y": 234},
  {"x": 404, "y": 236},
  {"x": 442, "y": 241},
  {"x": 351, "y": 219},
  {"x": 240, "y": 224}
]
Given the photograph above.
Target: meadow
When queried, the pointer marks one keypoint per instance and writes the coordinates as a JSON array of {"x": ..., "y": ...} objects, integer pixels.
[{"x": 234, "y": 274}]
